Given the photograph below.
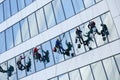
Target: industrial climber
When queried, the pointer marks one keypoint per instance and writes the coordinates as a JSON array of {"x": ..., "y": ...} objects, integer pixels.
[
  {"x": 45, "y": 57},
  {"x": 104, "y": 32},
  {"x": 28, "y": 65}
]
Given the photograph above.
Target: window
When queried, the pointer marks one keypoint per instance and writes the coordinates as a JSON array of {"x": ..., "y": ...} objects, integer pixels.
[
  {"x": 32, "y": 25},
  {"x": 107, "y": 19},
  {"x": 47, "y": 47},
  {"x": 3, "y": 76},
  {"x": 9, "y": 38},
  {"x": 117, "y": 58},
  {"x": 68, "y": 8},
  {"x": 59, "y": 14},
  {"x": 17, "y": 33},
  {"x": 49, "y": 15},
  {"x": 21, "y": 69},
  {"x": 24, "y": 29},
  {"x": 41, "y": 20},
  {"x": 2, "y": 42},
  {"x": 78, "y": 5},
  {"x": 98, "y": 71},
  {"x": 75, "y": 75},
  {"x": 86, "y": 73},
  {"x": 63, "y": 77},
  {"x": 39, "y": 64},
  {"x": 14, "y": 7},
  {"x": 29, "y": 62},
  {"x": 21, "y": 4},
  {"x": 12, "y": 67},
  {"x": 57, "y": 55},
  {"x": 1, "y": 13},
  {"x": 111, "y": 69},
  {"x": 7, "y": 13},
  {"x": 28, "y": 2},
  {"x": 88, "y": 3}
]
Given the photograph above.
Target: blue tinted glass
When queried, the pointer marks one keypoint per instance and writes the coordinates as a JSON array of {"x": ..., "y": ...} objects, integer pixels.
[
  {"x": 1, "y": 13},
  {"x": 17, "y": 34},
  {"x": 7, "y": 9},
  {"x": 58, "y": 10},
  {"x": 28, "y": 2},
  {"x": 9, "y": 38},
  {"x": 2, "y": 42},
  {"x": 78, "y": 5},
  {"x": 88, "y": 3},
  {"x": 21, "y": 4},
  {"x": 41, "y": 20},
  {"x": 68, "y": 8},
  {"x": 49, "y": 15},
  {"x": 24, "y": 29},
  {"x": 14, "y": 7}
]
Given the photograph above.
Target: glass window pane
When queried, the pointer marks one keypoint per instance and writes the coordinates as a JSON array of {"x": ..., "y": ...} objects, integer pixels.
[
  {"x": 58, "y": 10},
  {"x": 20, "y": 62},
  {"x": 78, "y": 5},
  {"x": 17, "y": 34},
  {"x": 86, "y": 73},
  {"x": 32, "y": 25},
  {"x": 2, "y": 42},
  {"x": 12, "y": 69},
  {"x": 29, "y": 62},
  {"x": 41, "y": 20},
  {"x": 47, "y": 47},
  {"x": 117, "y": 58},
  {"x": 64, "y": 77},
  {"x": 79, "y": 48},
  {"x": 99, "y": 38},
  {"x": 111, "y": 69},
  {"x": 68, "y": 8},
  {"x": 49, "y": 15},
  {"x": 98, "y": 71},
  {"x": 7, "y": 9},
  {"x": 14, "y": 8},
  {"x": 3, "y": 74},
  {"x": 9, "y": 38},
  {"x": 38, "y": 64},
  {"x": 28, "y": 2},
  {"x": 57, "y": 55},
  {"x": 24, "y": 29},
  {"x": 88, "y": 3},
  {"x": 107, "y": 19},
  {"x": 67, "y": 45},
  {"x": 21, "y": 4},
  {"x": 1, "y": 13},
  {"x": 75, "y": 75}
]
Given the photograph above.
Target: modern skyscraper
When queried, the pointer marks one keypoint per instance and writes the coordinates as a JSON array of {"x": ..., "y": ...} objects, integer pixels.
[{"x": 59, "y": 40}]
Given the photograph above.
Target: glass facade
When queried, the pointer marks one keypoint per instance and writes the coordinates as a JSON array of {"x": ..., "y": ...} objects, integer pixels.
[{"x": 102, "y": 70}]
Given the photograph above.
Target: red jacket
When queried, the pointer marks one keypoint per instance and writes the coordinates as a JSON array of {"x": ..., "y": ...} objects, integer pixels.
[{"x": 35, "y": 50}]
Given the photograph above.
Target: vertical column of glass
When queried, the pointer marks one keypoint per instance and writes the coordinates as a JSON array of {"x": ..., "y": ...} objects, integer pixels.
[
  {"x": 27, "y": 2},
  {"x": 78, "y": 5},
  {"x": 111, "y": 69},
  {"x": 3, "y": 73},
  {"x": 46, "y": 47},
  {"x": 59, "y": 14},
  {"x": 13, "y": 6},
  {"x": 24, "y": 29},
  {"x": 88, "y": 3},
  {"x": 107, "y": 19},
  {"x": 68, "y": 8},
  {"x": 7, "y": 11},
  {"x": 49, "y": 15},
  {"x": 39, "y": 65},
  {"x": 17, "y": 34},
  {"x": 29, "y": 64},
  {"x": 1, "y": 13},
  {"x": 117, "y": 58},
  {"x": 21, "y": 4},
  {"x": 63, "y": 77},
  {"x": 57, "y": 55},
  {"x": 9, "y": 38},
  {"x": 2, "y": 42},
  {"x": 32, "y": 25},
  {"x": 12, "y": 69},
  {"x": 41, "y": 20}
]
